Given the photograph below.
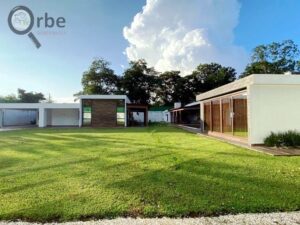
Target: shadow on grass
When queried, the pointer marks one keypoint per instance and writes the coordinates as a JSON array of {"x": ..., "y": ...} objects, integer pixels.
[
  {"x": 26, "y": 186},
  {"x": 200, "y": 187},
  {"x": 191, "y": 188}
]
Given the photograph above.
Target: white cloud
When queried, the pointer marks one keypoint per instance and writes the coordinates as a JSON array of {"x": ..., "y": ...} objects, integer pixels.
[{"x": 181, "y": 34}]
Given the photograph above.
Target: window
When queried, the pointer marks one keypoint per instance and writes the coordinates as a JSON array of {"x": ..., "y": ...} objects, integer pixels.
[
  {"x": 121, "y": 113},
  {"x": 226, "y": 116},
  {"x": 207, "y": 114},
  {"x": 216, "y": 116},
  {"x": 87, "y": 113},
  {"x": 240, "y": 126}
]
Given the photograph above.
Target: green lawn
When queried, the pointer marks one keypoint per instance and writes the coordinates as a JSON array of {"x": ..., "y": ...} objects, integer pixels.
[{"x": 70, "y": 174}]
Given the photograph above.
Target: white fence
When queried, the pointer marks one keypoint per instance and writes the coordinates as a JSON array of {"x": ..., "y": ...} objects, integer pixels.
[{"x": 159, "y": 116}]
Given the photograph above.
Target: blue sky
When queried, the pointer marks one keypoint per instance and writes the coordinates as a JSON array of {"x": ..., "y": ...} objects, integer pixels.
[{"x": 94, "y": 28}]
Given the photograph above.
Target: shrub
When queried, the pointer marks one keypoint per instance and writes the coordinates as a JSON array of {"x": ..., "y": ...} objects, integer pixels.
[
  {"x": 283, "y": 139},
  {"x": 157, "y": 123}
]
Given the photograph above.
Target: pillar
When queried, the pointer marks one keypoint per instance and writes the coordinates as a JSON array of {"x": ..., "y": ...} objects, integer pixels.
[
  {"x": 1, "y": 118},
  {"x": 42, "y": 117},
  {"x": 125, "y": 114},
  {"x": 202, "y": 116},
  {"x": 80, "y": 113}
]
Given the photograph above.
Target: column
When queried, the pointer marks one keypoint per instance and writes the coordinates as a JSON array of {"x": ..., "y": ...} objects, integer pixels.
[
  {"x": 202, "y": 116},
  {"x": 42, "y": 117},
  {"x": 1, "y": 118},
  {"x": 125, "y": 114},
  {"x": 80, "y": 113}
]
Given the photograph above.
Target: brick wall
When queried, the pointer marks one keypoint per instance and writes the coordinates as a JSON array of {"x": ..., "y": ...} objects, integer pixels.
[{"x": 104, "y": 113}]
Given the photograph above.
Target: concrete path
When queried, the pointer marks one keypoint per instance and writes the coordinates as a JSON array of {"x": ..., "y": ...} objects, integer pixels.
[{"x": 292, "y": 218}]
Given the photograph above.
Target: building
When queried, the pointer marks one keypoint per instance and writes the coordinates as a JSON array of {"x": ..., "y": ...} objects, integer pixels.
[
  {"x": 91, "y": 111},
  {"x": 249, "y": 109},
  {"x": 187, "y": 115},
  {"x": 159, "y": 114},
  {"x": 39, "y": 114},
  {"x": 103, "y": 110}
]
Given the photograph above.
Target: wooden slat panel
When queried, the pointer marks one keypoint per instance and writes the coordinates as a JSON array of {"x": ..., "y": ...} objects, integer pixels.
[{"x": 104, "y": 113}]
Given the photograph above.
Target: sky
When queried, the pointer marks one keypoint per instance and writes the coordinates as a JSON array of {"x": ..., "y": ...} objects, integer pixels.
[{"x": 169, "y": 34}]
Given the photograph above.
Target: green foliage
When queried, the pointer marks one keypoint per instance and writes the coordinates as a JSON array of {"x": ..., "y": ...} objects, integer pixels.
[
  {"x": 9, "y": 99},
  {"x": 139, "y": 82},
  {"x": 30, "y": 97},
  {"x": 283, "y": 139},
  {"x": 23, "y": 97},
  {"x": 79, "y": 174},
  {"x": 209, "y": 76},
  {"x": 100, "y": 79},
  {"x": 142, "y": 84},
  {"x": 158, "y": 124},
  {"x": 274, "y": 58},
  {"x": 172, "y": 88}
]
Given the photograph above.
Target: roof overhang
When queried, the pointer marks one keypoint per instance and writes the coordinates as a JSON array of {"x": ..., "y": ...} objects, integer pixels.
[
  {"x": 244, "y": 83},
  {"x": 39, "y": 106},
  {"x": 192, "y": 104},
  {"x": 106, "y": 97}
]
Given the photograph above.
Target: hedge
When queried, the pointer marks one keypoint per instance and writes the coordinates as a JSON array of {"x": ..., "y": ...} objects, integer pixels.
[{"x": 283, "y": 139}]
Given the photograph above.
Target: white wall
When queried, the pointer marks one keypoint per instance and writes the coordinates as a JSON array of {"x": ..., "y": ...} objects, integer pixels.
[
  {"x": 19, "y": 117},
  {"x": 62, "y": 117},
  {"x": 1, "y": 118},
  {"x": 159, "y": 116},
  {"x": 138, "y": 116},
  {"x": 274, "y": 108}
]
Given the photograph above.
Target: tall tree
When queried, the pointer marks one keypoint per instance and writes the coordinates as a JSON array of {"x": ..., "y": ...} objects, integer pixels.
[
  {"x": 172, "y": 88},
  {"x": 277, "y": 58},
  {"x": 100, "y": 79},
  {"x": 209, "y": 76},
  {"x": 139, "y": 82},
  {"x": 30, "y": 97}
]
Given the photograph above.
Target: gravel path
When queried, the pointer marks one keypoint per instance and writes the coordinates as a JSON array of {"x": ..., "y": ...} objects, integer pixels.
[{"x": 292, "y": 218}]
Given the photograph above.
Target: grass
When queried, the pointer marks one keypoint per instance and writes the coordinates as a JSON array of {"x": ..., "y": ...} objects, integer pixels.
[{"x": 71, "y": 174}]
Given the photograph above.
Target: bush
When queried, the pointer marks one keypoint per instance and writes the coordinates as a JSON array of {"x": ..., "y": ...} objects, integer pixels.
[
  {"x": 283, "y": 139},
  {"x": 157, "y": 123}
]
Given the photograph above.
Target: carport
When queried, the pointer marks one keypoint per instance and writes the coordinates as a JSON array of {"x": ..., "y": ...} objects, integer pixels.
[
  {"x": 19, "y": 117},
  {"x": 19, "y": 114},
  {"x": 41, "y": 114}
]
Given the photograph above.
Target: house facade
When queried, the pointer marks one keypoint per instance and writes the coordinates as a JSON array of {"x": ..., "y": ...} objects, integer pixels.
[
  {"x": 91, "y": 111},
  {"x": 249, "y": 109}
]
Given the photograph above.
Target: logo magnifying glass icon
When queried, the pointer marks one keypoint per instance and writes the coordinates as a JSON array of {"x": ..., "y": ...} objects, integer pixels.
[{"x": 20, "y": 21}]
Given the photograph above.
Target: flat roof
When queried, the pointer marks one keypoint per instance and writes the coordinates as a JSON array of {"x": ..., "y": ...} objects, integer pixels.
[
  {"x": 105, "y": 97},
  {"x": 39, "y": 105},
  {"x": 257, "y": 79},
  {"x": 192, "y": 104}
]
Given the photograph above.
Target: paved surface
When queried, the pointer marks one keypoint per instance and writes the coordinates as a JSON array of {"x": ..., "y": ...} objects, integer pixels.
[
  {"x": 262, "y": 149},
  {"x": 292, "y": 218},
  {"x": 16, "y": 128}
]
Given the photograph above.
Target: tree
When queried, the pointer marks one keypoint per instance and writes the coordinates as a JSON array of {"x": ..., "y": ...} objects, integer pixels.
[
  {"x": 139, "y": 82},
  {"x": 276, "y": 58},
  {"x": 209, "y": 76},
  {"x": 9, "y": 99},
  {"x": 171, "y": 88},
  {"x": 30, "y": 97},
  {"x": 100, "y": 79}
]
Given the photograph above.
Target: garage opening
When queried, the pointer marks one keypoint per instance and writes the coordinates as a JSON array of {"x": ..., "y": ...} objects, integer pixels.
[
  {"x": 20, "y": 117},
  {"x": 62, "y": 117}
]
